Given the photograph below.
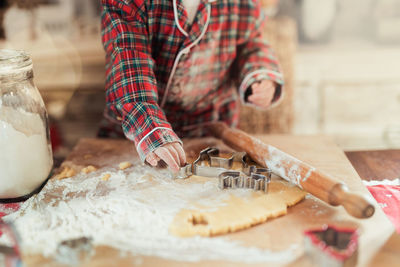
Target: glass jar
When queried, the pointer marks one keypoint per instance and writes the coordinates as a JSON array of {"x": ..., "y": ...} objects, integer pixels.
[{"x": 26, "y": 157}]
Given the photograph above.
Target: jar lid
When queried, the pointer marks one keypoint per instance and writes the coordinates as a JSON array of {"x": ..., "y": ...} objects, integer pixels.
[
  {"x": 15, "y": 65},
  {"x": 13, "y": 60}
]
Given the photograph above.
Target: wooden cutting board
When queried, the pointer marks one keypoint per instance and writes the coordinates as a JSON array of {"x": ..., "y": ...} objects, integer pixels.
[{"x": 277, "y": 234}]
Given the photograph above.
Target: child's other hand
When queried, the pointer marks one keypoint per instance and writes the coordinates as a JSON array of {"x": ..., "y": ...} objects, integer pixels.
[
  {"x": 263, "y": 93},
  {"x": 172, "y": 154}
]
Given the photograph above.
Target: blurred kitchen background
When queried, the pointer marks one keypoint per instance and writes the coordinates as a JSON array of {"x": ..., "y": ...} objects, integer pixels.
[{"x": 341, "y": 61}]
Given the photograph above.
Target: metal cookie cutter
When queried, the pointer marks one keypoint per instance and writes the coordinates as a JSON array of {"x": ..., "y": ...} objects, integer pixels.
[
  {"x": 210, "y": 164},
  {"x": 256, "y": 179},
  {"x": 332, "y": 246}
]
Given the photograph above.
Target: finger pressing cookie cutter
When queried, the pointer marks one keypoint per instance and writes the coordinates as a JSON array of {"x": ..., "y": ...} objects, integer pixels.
[{"x": 211, "y": 164}]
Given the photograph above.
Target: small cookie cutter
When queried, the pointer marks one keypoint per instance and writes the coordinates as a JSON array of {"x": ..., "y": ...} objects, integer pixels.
[
  {"x": 211, "y": 164},
  {"x": 332, "y": 246},
  {"x": 257, "y": 179}
]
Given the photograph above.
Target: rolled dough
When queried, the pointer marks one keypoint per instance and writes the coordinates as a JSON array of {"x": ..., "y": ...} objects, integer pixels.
[{"x": 237, "y": 213}]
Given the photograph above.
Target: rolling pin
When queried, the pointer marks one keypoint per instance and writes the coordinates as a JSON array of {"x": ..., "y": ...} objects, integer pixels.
[{"x": 313, "y": 181}]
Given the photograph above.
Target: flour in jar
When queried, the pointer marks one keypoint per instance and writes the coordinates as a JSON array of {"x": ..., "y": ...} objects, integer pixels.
[{"x": 25, "y": 155}]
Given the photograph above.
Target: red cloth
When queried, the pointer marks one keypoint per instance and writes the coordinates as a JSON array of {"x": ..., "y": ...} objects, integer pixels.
[
  {"x": 388, "y": 197},
  {"x": 6, "y": 209}
]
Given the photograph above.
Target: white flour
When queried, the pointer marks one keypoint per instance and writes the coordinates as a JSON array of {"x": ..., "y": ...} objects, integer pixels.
[
  {"x": 277, "y": 162},
  {"x": 382, "y": 182},
  {"x": 25, "y": 157},
  {"x": 130, "y": 212}
]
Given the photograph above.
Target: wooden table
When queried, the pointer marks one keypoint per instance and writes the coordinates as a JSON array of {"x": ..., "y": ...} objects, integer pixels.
[
  {"x": 376, "y": 165},
  {"x": 378, "y": 245}
]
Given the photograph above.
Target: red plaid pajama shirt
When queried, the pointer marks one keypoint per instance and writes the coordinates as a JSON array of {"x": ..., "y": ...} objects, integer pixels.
[{"x": 167, "y": 78}]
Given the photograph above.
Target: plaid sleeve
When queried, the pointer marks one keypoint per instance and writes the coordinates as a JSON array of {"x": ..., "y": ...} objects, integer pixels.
[
  {"x": 131, "y": 86},
  {"x": 255, "y": 60}
]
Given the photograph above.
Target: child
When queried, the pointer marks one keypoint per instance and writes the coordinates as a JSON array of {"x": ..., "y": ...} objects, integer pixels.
[{"x": 175, "y": 65}]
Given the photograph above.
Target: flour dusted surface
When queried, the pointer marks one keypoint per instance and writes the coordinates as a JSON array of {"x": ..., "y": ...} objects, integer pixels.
[{"x": 131, "y": 211}]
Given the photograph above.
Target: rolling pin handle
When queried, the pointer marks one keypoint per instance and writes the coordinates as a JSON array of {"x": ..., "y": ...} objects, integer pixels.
[{"x": 355, "y": 204}]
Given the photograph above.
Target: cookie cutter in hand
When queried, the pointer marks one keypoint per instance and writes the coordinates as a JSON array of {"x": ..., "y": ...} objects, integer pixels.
[{"x": 210, "y": 164}]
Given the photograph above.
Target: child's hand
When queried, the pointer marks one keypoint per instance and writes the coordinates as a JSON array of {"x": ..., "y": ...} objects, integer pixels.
[
  {"x": 263, "y": 93},
  {"x": 172, "y": 154}
]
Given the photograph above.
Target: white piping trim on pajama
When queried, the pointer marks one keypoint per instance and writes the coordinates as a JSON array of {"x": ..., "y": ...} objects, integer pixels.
[
  {"x": 185, "y": 51},
  {"x": 177, "y": 20},
  {"x": 250, "y": 75},
  {"x": 149, "y": 133}
]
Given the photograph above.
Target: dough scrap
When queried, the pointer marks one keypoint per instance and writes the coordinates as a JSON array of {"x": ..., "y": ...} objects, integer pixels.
[
  {"x": 125, "y": 165},
  {"x": 89, "y": 169},
  {"x": 106, "y": 177},
  {"x": 67, "y": 172},
  {"x": 237, "y": 213}
]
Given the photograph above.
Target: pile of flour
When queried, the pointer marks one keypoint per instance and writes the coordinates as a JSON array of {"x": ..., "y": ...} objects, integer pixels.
[
  {"x": 25, "y": 157},
  {"x": 130, "y": 212}
]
